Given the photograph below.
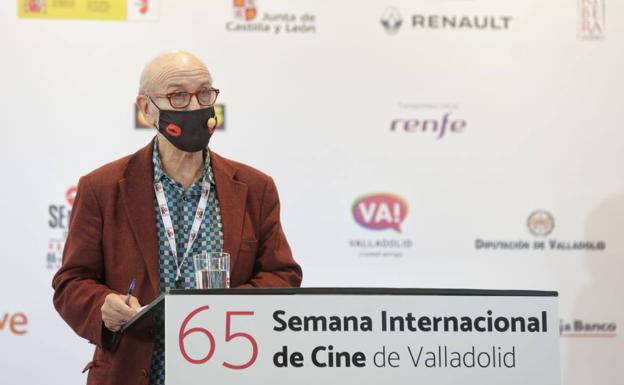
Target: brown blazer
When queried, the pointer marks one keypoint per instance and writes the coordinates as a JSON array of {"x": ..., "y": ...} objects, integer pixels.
[{"x": 112, "y": 239}]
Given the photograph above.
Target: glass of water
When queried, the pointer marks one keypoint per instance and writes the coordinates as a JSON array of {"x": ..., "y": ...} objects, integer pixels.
[{"x": 212, "y": 270}]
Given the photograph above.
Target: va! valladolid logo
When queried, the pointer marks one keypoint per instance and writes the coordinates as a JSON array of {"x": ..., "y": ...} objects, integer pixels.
[
  {"x": 392, "y": 21},
  {"x": 381, "y": 214},
  {"x": 541, "y": 224},
  {"x": 249, "y": 18},
  {"x": 58, "y": 223}
]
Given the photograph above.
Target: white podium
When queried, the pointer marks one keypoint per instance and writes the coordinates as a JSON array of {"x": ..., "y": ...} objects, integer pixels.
[{"x": 361, "y": 336}]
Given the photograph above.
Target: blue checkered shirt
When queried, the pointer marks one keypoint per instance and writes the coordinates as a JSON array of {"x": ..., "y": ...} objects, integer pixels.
[{"x": 182, "y": 205}]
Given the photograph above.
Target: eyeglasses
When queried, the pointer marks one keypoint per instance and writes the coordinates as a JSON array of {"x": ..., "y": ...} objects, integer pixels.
[{"x": 181, "y": 99}]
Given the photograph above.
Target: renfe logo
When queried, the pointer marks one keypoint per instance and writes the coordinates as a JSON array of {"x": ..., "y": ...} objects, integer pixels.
[
  {"x": 438, "y": 127},
  {"x": 380, "y": 211}
]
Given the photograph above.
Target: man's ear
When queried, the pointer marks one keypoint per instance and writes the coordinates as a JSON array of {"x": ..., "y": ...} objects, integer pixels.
[{"x": 148, "y": 111}]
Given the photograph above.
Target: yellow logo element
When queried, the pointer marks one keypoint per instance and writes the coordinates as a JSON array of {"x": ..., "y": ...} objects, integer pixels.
[{"x": 88, "y": 9}]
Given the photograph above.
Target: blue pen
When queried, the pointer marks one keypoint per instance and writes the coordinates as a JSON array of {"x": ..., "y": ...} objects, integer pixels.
[{"x": 131, "y": 290}]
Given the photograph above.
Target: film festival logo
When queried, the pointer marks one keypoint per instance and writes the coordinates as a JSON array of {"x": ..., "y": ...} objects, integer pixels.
[
  {"x": 58, "y": 223},
  {"x": 540, "y": 224},
  {"x": 141, "y": 123},
  {"x": 434, "y": 120},
  {"x": 274, "y": 22},
  {"x": 592, "y": 19},
  {"x": 392, "y": 21},
  {"x": 380, "y": 212}
]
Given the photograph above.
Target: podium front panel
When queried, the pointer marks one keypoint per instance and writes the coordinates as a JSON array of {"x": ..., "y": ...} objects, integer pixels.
[{"x": 367, "y": 337}]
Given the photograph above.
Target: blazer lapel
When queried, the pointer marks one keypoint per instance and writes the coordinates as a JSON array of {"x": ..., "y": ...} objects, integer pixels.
[
  {"x": 137, "y": 195},
  {"x": 232, "y": 196}
]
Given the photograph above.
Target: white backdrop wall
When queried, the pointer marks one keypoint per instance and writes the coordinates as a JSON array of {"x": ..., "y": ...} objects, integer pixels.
[{"x": 340, "y": 110}]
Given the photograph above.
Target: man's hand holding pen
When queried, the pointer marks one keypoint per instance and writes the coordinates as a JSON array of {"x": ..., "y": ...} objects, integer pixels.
[{"x": 119, "y": 308}]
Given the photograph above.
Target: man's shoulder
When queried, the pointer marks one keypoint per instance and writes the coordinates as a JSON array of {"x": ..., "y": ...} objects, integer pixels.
[
  {"x": 111, "y": 170},
  {"x": 107, "y": 176},
  {"x": 111, "y": 173},
  {"x": 243, "y": 172}
]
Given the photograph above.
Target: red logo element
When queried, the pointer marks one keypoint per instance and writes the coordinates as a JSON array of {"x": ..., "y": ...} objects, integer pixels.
[
  {"x": 245, "y": 9},
  {"x": 35, "y": 6},
  {"x": 70, "y": 195},
  {"x": 380, "y": 211},
  {"x": 143, "y": 6},
  {"x": 229, "y": 336},
  {"x": 173, "y": 130}
]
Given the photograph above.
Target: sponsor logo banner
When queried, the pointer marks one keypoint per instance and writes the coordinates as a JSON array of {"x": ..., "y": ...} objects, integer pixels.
[
  {"x": 392, "y": 21},
  {"x": 130, "y": 10},
  {"x": 250, "y": 18},
  {"x": 434, "y": 120},
  {"x": 540, "y": 224}
]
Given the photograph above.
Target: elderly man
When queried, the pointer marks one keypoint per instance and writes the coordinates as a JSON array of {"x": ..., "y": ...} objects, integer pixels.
[{"x": 118, "y": 232}]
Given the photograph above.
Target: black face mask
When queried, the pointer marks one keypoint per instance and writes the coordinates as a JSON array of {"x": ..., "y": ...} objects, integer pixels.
[{"x": 187, "y": 130}]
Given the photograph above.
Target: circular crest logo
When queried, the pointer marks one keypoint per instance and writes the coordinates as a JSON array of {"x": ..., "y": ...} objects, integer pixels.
[{"x": 541, "y": 223}]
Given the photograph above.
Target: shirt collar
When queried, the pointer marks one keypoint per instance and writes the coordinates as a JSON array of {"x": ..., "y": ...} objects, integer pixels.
[{"x": 159, "y": 173}]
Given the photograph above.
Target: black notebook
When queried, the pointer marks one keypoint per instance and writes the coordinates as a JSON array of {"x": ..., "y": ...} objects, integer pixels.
[{"x": 145, "y": 312}]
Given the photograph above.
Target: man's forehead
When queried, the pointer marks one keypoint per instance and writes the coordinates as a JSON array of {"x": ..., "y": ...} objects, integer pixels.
[
  {"x": 174, "y": 69},
  {"x": 194, "y": 78},
  {"x": 187, "y": 83}
]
